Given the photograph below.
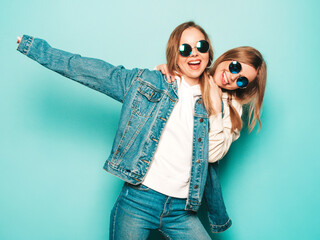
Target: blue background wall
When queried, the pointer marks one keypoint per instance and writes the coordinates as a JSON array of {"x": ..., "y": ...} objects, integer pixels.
[{"x": 55, "y": 134}]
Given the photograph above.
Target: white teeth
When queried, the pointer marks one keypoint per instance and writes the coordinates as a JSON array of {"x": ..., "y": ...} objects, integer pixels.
[
  {"x": 195, "y": 62},
  {"x": 225, "y": 77}
]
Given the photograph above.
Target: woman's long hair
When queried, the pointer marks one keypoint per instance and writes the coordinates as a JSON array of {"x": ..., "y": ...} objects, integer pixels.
[
  {"x": 172, "y": 60},
  {"x": 253, "y": 94}
]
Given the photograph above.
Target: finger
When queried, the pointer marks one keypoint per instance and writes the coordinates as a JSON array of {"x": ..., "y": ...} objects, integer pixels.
[
  {"x": 173, "y": 78},
  {"x": 18, "y": 39},
  {"x": 165, "y": 66},
  {"x": 211, "y": 82},
  {"x": 164, "y": 70}
]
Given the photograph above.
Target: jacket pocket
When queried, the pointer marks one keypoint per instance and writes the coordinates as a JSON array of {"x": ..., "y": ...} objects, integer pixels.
[{"x": 145, "y": 101}]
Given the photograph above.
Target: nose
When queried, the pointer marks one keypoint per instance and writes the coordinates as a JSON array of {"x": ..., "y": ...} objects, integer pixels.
[
  {"x": 234, "y": 77},
  {"x": 194, "y": 52}
]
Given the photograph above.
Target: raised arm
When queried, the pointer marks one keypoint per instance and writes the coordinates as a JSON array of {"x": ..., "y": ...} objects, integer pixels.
[
  {"x": 94, "y": 73},
  {"x": 220, "y": 135}
]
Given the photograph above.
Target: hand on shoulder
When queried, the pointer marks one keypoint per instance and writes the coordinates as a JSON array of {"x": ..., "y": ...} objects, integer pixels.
[
  {"x": 215, "y": 95},
  {"x": 163, "y": 68}
]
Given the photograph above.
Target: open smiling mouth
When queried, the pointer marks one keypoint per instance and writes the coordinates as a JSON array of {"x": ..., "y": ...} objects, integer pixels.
[
  {"x": 194, "y": 64},
  {"x": 224, "y": 78}
]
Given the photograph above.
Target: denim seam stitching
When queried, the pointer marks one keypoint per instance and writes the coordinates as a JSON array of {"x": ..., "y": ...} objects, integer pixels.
[
  {"x": 166, "y": 235},
  {"x": 29, "y": 43},
  {"x": 115, "y": 214},
  {"x": 161, "y": 216},
  {"x": 152, "y": 86},
  {"x": 213, "y": 225},
  {"x": 120, "y": 142},
  {"x": 166, "y": 92},
  {"x": 133, "y": 138},
  {"x": 136, "y": 78}
]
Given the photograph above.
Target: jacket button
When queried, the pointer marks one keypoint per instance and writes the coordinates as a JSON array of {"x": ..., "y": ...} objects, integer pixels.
[
  {"x": 196, "y": 187},
  {"x": 199, "y": 101},
  {"x": 198, "y": 161},
  {"x": 199, "y": 139},
  {"x": 201, "y": 119}
]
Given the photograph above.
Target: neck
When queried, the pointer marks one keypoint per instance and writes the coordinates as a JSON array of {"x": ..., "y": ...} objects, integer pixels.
[{"x": 191, "y": 81}]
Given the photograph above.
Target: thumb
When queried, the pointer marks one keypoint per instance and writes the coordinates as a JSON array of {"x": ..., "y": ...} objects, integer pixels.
[{"x": 211, "y": 82}]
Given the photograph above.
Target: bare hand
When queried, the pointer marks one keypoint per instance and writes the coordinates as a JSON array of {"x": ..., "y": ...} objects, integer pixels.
[
  {"x": 19, "y": 39},
  {"x": 163, "y": 68},
  {"x": 216, "y": 95}
]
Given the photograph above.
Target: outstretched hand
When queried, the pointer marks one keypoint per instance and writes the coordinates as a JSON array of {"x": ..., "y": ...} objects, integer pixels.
[
  {"x": 19, "y": 39},
  {"x": 163, "y": 68}
]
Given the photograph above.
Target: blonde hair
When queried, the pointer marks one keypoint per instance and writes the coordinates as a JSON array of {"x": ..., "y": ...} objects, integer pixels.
[
  {"x": 253, "y": 94},
  {"x": 172, "y": 60}
]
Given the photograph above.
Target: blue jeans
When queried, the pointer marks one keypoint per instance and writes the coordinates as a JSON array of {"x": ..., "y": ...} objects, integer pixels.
[{"x": 139, "y": 209}]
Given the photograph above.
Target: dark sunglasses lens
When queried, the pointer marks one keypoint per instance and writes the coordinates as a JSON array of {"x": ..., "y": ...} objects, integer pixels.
[
  {"x": 203, "y": 46},
  {"x": 235, "y": 67},
  {"x": 185, "y": 50},
  {"x": 242, "y": 82}
]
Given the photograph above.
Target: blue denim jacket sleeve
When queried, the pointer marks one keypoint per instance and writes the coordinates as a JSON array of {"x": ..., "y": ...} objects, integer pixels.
[
  {"x": 94, "y": 73},
  {"x": 218, "y": 217}
]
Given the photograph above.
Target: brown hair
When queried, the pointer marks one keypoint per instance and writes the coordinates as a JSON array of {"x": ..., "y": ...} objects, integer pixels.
[
  {"x": 172, "y": 59},
  {"x": 253, "y": 94}
]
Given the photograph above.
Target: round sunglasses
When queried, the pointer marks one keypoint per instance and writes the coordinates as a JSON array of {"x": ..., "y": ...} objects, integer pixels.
[
  {"x": 185, "y": 49},
  {"x": 235, "y": 67}
]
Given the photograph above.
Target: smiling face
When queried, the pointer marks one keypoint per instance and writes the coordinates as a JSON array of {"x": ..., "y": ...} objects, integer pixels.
[
  {"x": 227, "y": 80},
  {"x": 192, "y": 67}
]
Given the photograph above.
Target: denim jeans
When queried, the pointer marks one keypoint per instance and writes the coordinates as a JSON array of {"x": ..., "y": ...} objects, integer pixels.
[{"x": 139, "y": 209}]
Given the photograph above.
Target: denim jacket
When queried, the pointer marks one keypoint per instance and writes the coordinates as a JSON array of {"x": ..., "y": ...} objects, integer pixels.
[{"x": 148, "y": 100}]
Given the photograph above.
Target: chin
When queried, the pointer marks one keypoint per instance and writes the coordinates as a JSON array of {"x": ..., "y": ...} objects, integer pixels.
[
  {"x": 193, "y": 75},
  {"x": 196, "y": 76}
]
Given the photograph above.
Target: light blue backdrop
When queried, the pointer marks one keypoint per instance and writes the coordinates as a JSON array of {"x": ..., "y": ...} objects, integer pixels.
[{"x": 55, "y": 134}]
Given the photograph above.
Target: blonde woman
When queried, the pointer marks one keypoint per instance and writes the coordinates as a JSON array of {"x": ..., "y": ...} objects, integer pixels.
[{"x": 161, "y": 149}]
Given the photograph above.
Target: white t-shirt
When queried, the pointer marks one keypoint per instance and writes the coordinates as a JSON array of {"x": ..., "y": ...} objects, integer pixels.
[{"x": 169, "y": 172}]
